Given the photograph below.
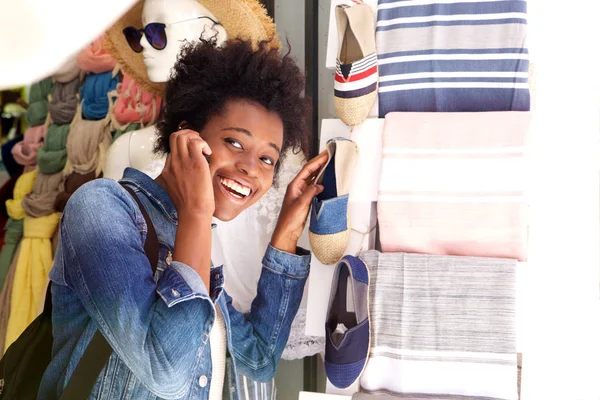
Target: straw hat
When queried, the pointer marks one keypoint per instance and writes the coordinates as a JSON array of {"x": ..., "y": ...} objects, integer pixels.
[{"x": 245, "y": 19}]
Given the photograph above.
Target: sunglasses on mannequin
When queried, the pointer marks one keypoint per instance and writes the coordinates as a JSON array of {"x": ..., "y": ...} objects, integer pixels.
[{"x": 155, "y": 33}]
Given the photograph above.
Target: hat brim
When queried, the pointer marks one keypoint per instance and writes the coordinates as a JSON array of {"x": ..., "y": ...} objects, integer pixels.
[{"x": 242, "y": 19}]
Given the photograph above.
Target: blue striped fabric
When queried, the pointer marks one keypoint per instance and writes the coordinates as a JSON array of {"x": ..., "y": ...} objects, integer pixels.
[{"x": 452, "y": 56}]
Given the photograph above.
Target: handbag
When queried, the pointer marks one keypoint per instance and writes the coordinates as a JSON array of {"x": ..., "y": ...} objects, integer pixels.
[{"x": 26, "y": 360}]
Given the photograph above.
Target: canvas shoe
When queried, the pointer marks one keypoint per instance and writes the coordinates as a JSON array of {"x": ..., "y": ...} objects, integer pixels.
[
  {"x": 329, "y": 228},
  {"x": 356, "y": 73},
  {"x": 347, "y": 333}
]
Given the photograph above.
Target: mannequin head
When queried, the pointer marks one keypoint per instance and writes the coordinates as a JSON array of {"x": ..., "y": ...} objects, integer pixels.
[{"x": 183, "y": 24}]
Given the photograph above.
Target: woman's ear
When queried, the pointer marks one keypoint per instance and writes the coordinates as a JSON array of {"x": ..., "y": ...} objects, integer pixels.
[{"x": 182, "y": 125}]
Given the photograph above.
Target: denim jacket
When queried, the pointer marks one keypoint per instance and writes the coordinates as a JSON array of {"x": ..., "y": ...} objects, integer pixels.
[{"x": 158, "y": 326}]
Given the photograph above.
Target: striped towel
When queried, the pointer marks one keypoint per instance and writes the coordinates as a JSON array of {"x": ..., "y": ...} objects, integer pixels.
[
  {"x": 454, "y": 184},
  {"x": 441, "y": 325},
  {"x": 446, "y": 55}
]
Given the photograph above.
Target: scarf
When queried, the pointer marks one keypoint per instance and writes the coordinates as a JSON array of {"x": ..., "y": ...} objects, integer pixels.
[
  {"x": 67, "y": 72},
  {"x": 38, "y": 102},
  {"x": 31, "y": 274},
  {"x": 64, "y": 101},
  {"x": 12, "y": 237},
  {"x": 5, "y": 296},
  {"x": 25, "y": 152},
  {"x": 94, "y": 59},
  {"x": 87, "y": 146},
  {"x": 94, "y": 94},
  {"x": 52, "y": 157},
  {"x": 23, "y": 187},
  {"x": 40, "y": 202},
  {"x": 73, "y": 182},
  {"x": 134, "y": 104}
]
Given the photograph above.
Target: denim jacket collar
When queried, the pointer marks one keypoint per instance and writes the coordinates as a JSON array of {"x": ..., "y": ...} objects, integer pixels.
[{"x": 153, "y": 190}]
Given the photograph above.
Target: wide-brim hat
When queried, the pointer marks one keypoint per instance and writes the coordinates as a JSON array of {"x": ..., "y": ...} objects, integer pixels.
[{"x": 243, "y": 19}]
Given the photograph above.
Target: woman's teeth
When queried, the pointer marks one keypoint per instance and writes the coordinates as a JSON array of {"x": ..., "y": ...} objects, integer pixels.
[{"x": 237, "y": 188}]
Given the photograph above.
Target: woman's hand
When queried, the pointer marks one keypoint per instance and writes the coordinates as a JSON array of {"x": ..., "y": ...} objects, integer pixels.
[
  {"x": 186, "y": 175},
  {"x": 296, "y": 205}
]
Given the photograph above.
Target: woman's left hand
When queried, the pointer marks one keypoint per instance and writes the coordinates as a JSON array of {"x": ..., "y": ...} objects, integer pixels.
[{"x": 296, "y": 205}]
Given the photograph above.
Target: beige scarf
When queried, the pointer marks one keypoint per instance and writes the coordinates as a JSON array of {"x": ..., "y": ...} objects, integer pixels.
[
  {"x": 40, "y": 202},
  {"x": 87, "y": 146}
]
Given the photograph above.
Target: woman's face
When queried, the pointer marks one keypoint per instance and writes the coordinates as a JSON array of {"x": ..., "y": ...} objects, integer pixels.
[{"x": 246, "y": 141}]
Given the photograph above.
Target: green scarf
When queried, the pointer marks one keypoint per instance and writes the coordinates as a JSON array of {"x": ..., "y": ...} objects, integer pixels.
[
  {"x": 38, "y": 102},
  {"x": 129, "y": 128},
  {"x": 52, "y": 158},
  {"x": 13, "y": 235}
]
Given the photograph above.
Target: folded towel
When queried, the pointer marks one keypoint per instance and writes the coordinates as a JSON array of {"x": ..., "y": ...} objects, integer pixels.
[
  {"x": 454, "y": 184},
  {"x": 442, "y": 325},
  {"x": 440, "y": 56}
]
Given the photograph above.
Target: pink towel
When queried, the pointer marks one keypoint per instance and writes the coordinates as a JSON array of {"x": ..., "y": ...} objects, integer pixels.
[
  {"x": 25, "y": 152},
  {"x": 454, "y": 184},
  {"x": 134, "y": 104}
]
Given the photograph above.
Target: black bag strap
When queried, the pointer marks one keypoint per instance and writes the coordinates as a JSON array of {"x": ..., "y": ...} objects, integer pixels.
[
  {"x": 98, "y": 352},
  {"x": 151, "y": 244}
]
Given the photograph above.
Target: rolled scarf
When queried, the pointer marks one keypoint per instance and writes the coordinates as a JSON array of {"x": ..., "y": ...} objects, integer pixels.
[
  {"x": 94, "y": 59},
  {"x": 31, "y": 274},
  {"x": 52, "y": 157},
  {"x": 23, "y": 187},
  {"x": 25, "y": 152},
  {"x": 5, "y": 296},
  {"x": 38, "y": 102},
  {"x": 40, "y": 202},
  {"x": 133, "y": 104},
  {"x": 12, "y": 237},
  {"x": 94, "y": 94},
  {"x": 87, "y": 146},
  {"x": 64, "y": 101},
  {"x": 73, "y": 182},
  {"x": 68, "y": 71}
]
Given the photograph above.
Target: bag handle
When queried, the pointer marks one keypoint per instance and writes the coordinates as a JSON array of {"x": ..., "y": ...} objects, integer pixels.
[{"x": 98, "y": 352}]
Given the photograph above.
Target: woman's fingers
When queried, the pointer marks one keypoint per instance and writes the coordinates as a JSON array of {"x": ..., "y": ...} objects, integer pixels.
[{"x": 198, "y": 148}]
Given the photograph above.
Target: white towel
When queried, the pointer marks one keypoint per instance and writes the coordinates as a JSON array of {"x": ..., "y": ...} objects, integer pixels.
[{"x": 442, "y": 325}]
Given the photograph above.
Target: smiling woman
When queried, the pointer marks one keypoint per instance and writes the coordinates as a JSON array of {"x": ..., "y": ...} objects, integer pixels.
[{"x": 228, "y": 116}]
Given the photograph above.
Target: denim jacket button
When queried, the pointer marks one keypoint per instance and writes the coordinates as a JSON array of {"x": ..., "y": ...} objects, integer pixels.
[
  {"x": 175, "y": 293},
  {"x": 169, "y": 259},
  {"x": 203, "y": 381}
]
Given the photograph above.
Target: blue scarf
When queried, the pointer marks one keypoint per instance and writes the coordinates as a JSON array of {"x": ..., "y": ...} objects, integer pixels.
[{"x": 93, "y": 94}]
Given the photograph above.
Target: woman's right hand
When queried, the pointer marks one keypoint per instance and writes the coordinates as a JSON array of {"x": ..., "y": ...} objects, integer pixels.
[{"x": 187, "y": 175}]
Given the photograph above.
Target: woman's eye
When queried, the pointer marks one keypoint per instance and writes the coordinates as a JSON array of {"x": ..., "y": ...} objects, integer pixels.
[
  {"x": 234, "y": 143},
  {"x": 268, "y": 161}
]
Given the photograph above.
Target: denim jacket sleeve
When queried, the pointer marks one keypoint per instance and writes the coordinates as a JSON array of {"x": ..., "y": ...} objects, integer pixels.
[
  {"x": 260, "y": 336},
  {"x": 157, "y": 329}
]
